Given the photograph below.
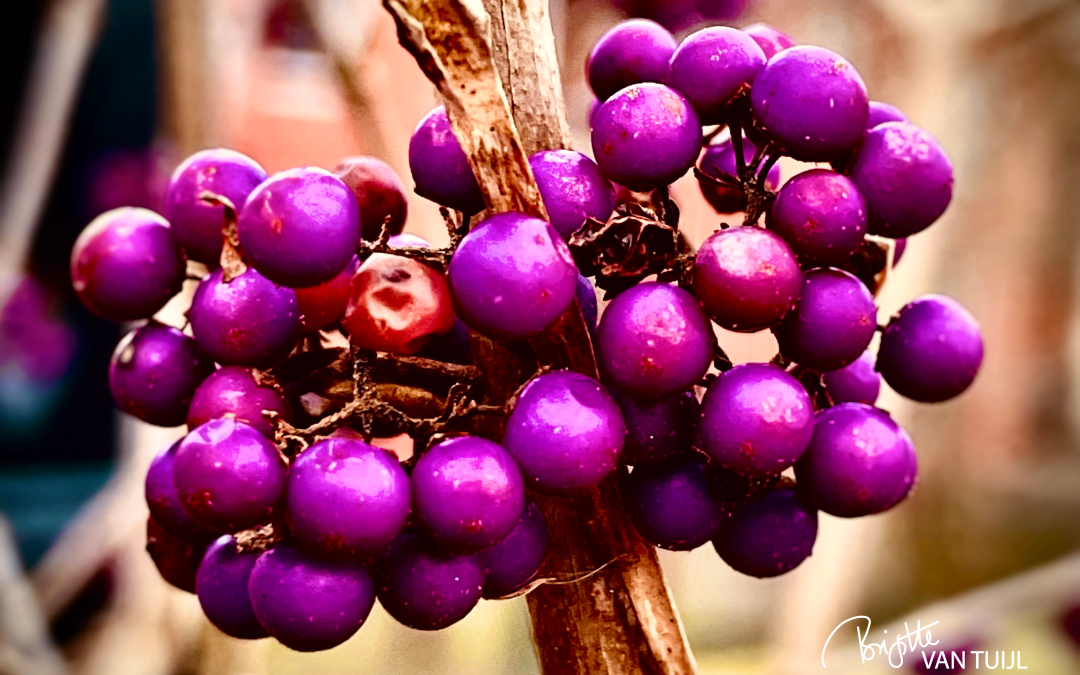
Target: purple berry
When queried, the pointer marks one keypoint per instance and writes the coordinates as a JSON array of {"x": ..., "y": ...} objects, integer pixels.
[
  {"x": 821, "y": 214},
  {"x": 746, "y": 278},
  {"x": 408, "y": 240},
  {"x": 512, "y": 276},
  {"x": 307, "y": 604},
  {"x": 440, "y": 168},
  {"x": 153, "y": 374},
  {"x": 379, "y": 192},
  {"x": 713, "y": 65},
  {"x": 514, "y": 561},
  {"x": 249, "y": 321},
  {"x": 632, "y": 52},
  {"x": 573, "y": 189},
  {"x": 880, "y": 113},
  {"x": 346, "y": 499},
  {"x": 586, "y": 298},
  {"x": 233, "y": 392},
  {"x": 671, "y": 506},
  {"x": 756, "y": 420},
  {"x": 427, "y": 590},
  {"x": 769, "y": 536},
  {"x": 176, "y": 559},
  {"x": 812, "y": 102},
  {"x": 566, "y": 431},
  {"x": 906, "y": 177},
  {"x": 228, "y": 475},
  {"x": 646, "y": 136},
  {"x": 300, "y": 227},
  {"x": 196, "y": 223},
  {"x": 467, "y": 492},
  {"x": 858, "y": 461},
  {"x": 126, "y": 264},
  {"x": 222, "y": 586},
  {"x": 654, "y": 341},
  {"x": 164, "y": 500},
  {"x": 833, "y": 323},
  {"x": 657, "y": 431},
  {"x": 856, "y": 382},
  {"x": 769, "y": 39},
  {"x": 720, "y": 159},
  {"x": 932, "y": 349}
]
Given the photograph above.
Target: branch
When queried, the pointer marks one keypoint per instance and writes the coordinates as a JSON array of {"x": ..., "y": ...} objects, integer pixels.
[
  {"x": 450, "y": 41},
  {"x": 619, "y": 619}
]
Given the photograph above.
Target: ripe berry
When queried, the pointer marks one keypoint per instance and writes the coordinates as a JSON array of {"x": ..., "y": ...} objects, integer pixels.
[
  {"x": 769, "y": 39},
  {"x": 300, "y": 227},
  {"x": 176, "y": 559},
  {"x": 515, "y": 560},
  {"x": 222, "y": 586},
  {"x": 512, "y": 276},
  {"x": 856, "y": 382},
  {"x": 746, "y": 278},
  {"x": 671, "y": 506},
  {"x": 833, "y": 323},
  {"x": 661, "y": 430},
  {"x": 126, "y": 264},
  {"x": 713, "y": 65},
  {"x": 565, "y": 432},
  {"x": 197, "y": 223},
  {"x": 308, "y": 604},
  {"x": 769, "y": 536},
  {"x": 233, "y": 392},
  {"x": 228, "y": 475},
  {"x": 467, "y": 492},
  {"x": 756, "y": 420},
  {"x": 379, "y": 193},
  {"x": 572, "y": 188},
  {"x": 346, "y": 500},
  {"x": 906, "y": 177},
  {"x": 821, "y": 214},
  {"x": 654, "y": 341},
  {"x": 858, "y": 462},
  {"x": 164, "y": 501},
  {"x": 719, "y": 159},
  {"x": 153, "y": 374},
  {"x": 440, "y": 168},
  {"x": 880, "y": 113},
  {"x": 632, "y": 52},
  {"x": 646, "y": 136},
  {"x": 427, "y": 590},
  {"x": 931, "y": 350},
  {"x": 812, "y": 102},
  {"x": 249, "y": 321}
]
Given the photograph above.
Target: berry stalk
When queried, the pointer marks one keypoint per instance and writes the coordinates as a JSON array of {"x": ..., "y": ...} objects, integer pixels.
[{"x": 618, "y": 616}]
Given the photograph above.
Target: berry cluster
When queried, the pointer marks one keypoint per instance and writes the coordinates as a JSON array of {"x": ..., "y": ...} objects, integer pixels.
[
  {"x": 294, "y": 532},
  {"x": 764, "y": 98}
]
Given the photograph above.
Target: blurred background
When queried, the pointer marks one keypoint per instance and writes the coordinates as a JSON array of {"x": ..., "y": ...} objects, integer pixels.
[{"x": 102, "y": 98}]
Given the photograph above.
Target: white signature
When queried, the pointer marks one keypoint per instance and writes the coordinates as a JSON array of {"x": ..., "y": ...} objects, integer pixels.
[{"x": 902, "y": 644}]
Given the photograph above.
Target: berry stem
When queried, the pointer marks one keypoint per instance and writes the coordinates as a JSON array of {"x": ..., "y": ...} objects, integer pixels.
[{"x": 620, "y": 619}]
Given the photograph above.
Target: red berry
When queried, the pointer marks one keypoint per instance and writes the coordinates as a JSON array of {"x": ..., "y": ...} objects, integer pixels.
[{"x": 397, "y": 305}]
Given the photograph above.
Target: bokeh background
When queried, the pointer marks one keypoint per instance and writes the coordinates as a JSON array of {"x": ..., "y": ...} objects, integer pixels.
[{"x": 102, "y": 98}]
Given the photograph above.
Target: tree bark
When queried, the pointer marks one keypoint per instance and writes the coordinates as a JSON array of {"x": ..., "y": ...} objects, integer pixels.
[{"x": 608, "y": 610}]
